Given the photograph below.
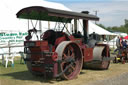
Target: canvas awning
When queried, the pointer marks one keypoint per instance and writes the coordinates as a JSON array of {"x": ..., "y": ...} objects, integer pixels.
[{"x": 49, "y": 14}]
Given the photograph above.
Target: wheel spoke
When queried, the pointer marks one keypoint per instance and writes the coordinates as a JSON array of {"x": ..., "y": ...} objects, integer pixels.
[
  {"x": 73, "y": 55},
  {"x": 73, "y": 67},
  {"x": 70, "y": 70},
  {"x": 76, "y": 62},
  {"x": 71, "y": 48},
  {"x": 65, "y": 56},
  {"x": 68, "y": 52}
]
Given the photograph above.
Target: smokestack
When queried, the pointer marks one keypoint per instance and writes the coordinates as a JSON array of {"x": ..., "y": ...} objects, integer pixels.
[
  {"x": 85, "y": 12},
  {"x": 85, "y": 28}
]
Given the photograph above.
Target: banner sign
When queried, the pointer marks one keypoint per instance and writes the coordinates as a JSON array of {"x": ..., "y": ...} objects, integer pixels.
[{"x": 13, "y": 37}]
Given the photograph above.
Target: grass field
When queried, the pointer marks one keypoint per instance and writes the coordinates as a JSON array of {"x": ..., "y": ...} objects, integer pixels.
[{"x": 19, "y": 75}]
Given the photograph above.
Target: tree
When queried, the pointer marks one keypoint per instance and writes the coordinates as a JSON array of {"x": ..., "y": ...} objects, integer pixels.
[
  {"x": 101, "y": 25},
  {"x": 122, "y": 28}
]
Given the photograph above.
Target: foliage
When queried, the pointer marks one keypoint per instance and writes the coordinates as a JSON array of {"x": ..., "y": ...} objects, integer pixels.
[
  {"x": 122, "y": 28},
  {"x": 101, "y": 25}
]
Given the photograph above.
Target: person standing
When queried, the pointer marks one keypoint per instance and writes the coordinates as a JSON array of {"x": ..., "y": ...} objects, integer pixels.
[
  {"x": 118, "y": 44},
  {"x": 121, "y": 41}
]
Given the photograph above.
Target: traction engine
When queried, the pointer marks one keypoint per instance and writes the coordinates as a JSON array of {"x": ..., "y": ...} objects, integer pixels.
[{"x": 59, "y": 54}]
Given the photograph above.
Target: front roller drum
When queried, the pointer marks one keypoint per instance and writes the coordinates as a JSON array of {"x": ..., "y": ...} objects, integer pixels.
[
  {"x": 70, "y": 55},
  {"x": 101, "y": 65},
  {"x": 101, "y": 58}
]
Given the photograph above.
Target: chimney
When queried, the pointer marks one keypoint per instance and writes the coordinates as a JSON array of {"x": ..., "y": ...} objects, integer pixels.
[{"x": 85, "y": 12}]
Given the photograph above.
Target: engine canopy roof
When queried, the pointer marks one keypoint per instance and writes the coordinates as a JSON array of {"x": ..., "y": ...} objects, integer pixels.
[{"x": 49, "y": 14}]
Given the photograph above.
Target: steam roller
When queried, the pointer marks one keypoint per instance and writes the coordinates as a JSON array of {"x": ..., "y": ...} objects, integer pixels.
[{"x": 59, "y": 52}]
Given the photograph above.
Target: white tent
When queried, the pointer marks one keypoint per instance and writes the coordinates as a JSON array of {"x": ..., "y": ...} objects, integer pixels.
[
  {"x": 9, "y": 23},
  {"x": 98, "y": 30},
  {"x": 9, "y": 8},
  {"x": 121, "y": 34}
]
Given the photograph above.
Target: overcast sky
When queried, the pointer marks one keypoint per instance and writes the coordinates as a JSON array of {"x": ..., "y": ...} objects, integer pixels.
[{"x": 111, "y": 12}]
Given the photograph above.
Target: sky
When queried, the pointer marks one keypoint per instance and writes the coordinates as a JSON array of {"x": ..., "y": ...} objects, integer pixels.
[{"x": 110, "y": 12}]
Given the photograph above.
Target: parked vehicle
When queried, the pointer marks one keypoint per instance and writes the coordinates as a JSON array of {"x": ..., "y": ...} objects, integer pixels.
[
  {"x": 121, "y": 56},
  {"x": 58, "y": 53}
]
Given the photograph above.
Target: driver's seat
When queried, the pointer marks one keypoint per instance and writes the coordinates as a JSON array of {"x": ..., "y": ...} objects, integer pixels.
[{"x": 50, "y": 36}]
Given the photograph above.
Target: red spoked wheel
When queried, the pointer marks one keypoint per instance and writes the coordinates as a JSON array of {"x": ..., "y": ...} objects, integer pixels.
[{"x": 71, "y": 59}]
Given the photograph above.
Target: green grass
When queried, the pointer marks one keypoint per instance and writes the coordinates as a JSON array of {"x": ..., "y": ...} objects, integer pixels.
[
  {"x": 19, "y": 75},
  {"x": 17, "y": 72}
]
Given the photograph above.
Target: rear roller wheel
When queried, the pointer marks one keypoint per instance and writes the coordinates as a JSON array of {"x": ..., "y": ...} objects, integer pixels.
[
  {"x": 29, "y": 65},
  {"x": 71, "y": 59}
]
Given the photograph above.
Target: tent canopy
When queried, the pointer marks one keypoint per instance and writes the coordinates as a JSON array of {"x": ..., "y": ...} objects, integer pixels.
[
  {"x": 98, "y": 30},
  {"x": 126, "y": 37}
]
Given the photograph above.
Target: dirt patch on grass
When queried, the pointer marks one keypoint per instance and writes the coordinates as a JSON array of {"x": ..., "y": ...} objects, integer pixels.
[{"x": 121, "y": 79}]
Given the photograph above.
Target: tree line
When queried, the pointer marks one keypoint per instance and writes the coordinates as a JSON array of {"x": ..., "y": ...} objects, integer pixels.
[{"x": 122, "y": 28}]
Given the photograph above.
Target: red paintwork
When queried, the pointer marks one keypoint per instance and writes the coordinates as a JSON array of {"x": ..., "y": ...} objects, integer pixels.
[
  {"x": 38, "y": 69},
  {"x": 43, "y": 45},
  {"x": 88, "y": 54},
  {"x": 55, "y": 69},
  {"x": 54, "y": 56},
  {"x": 59, "y": 40},
  {"x": 76, "y": 40}
]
